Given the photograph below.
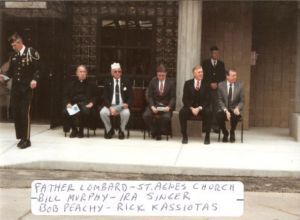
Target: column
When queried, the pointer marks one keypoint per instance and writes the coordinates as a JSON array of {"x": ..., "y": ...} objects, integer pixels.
[
  {"x": 295, "y": 118},
  {"x": 188, "y": 55},
  {"x": 189, "y": 43}
]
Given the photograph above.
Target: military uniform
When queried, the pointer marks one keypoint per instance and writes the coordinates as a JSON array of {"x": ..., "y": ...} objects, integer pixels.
[{"x": 22, "y": 70}]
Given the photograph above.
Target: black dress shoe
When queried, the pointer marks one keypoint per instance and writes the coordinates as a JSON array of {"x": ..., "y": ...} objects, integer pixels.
[
  {"x": 232, "y": 137},
  {"x": 74, "y": 133},
  {"x": 25, "y": 144},
  {"x": 184, "y": 140},
  {"x": 225, "y": 136},
  {"x": 153, "y": 135},
  {"x": 207, "y": 139},
  {"x": 158, "y": 137},
  {"x": 121, "y": 135},
  {"x": 107, "y": 136},
  {"x": 112, "y": 132},
  {"x": 20, "y": 142}
]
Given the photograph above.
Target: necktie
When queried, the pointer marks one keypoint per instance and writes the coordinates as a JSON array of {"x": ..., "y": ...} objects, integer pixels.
[
  {"x": 215, "y": 63},
  {"x": 198, "y": 85},
  {"x": 117, "y": 92},
  {"x": 229, "y": 95},
  {"x": 161, "y": 88}
]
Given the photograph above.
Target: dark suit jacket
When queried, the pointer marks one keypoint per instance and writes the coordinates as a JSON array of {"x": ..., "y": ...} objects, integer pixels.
[
  {"x": 213, "y": 74},
  {"x": 237, "y": 97},
  {"x": 125, "y": 89},
  {"x": 189, "y": 93},
  {"x": 168, "y": 98},
  {"x": 23, "y": 69},
  {"x": 71, "y": 92}
]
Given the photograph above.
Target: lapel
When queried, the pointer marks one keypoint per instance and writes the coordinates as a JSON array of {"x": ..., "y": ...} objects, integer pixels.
[
  {"x": 111, "y": 86},
  {"x": 235, "y": 91},
  {"x": 166, "y": 86},
  {"x": 225, "y": 91}
]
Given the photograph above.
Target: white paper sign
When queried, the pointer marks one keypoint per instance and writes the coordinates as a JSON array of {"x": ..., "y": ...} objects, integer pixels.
[
  {"x": 73, "y": 110},
  {"x": 137, "y": 198}
]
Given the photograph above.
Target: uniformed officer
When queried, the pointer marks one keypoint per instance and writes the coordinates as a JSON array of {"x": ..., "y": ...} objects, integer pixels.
[{"x": 24, "y": 72}]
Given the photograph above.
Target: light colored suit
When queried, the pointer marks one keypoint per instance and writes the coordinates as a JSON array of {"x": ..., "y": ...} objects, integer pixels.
[{"x": 237, "y": 97}]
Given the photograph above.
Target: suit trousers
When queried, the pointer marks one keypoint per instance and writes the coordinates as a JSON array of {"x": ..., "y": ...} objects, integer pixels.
[
  {"x": 21, "y": 104},
  {"x": 105, "y": 117},
  {"x": 80, "y": 119},
  {"x": 215, "y": 107},
  {"x": 234, "y": 119},
  {"x": 157, "y": 123},
  {"x": 185, "y": 113}
]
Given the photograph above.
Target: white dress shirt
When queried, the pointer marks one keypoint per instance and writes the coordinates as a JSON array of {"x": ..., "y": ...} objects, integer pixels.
[
  {"x": 22, "y": 50},
  {"x": 114, "y": 93},
  {"x": 163, "y": 82},
  {"x": 195, "y": 83},
  {"x": 213, "y": 62}
]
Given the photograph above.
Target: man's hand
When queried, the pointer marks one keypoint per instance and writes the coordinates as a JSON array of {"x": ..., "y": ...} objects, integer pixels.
[
  {"x": 227, "y": 115},
  {"x": 69, "y": 105},
  {"x": 236, "y": 111},
  {"x": 213, "y": 86},
  {"x": 167, "y": 109},
  {"x": 113, "y": 111},
  {"x": 90, "y": 105},
  {"x": 195, "y": 111},
  {"x": 33, "y": 84},
  {"x": 154, "y": 110},
  {"x": 124, "y": 105},
  {"x": 1, "y": 78}
]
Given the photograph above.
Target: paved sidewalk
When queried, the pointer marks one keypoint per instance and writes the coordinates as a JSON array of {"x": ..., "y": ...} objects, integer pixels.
[
  {"x": 265, "y": 152},
  {"x": 15, "y": 204}
]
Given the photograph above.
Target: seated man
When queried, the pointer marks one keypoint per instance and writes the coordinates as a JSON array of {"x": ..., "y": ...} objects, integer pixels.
[
  {"x": 161, "y": 99},
  {"x": 196, "y": 101},
  {"x": 117, "y": 96},
  {"x": 82, "y": 93},
  {"x": 231, "y": 101}
]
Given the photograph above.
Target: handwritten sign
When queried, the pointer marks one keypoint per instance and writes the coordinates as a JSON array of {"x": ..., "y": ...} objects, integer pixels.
[{"x": 137, "y": 198}]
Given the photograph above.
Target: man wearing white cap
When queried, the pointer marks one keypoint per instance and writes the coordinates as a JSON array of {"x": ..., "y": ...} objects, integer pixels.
[{"x": 117, "y": 97}]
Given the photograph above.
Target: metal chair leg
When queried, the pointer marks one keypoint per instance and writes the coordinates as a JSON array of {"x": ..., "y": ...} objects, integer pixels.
[
  {"x": 242, "y": 132},
  {"x": 88, "y": 132}
]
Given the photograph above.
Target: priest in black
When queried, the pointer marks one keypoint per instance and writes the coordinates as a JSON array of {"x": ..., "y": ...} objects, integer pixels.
[
  {"x": 80, "y": 92},
  {"x": 196, "y": 101},
  {"x": 214, "y": 73}
]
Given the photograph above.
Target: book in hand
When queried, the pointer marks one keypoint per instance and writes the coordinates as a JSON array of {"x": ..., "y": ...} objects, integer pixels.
[
  {"x": 161, "y": 109},
  {"x": 4, "y": 77},
  {"x": 73, "y": 109}
]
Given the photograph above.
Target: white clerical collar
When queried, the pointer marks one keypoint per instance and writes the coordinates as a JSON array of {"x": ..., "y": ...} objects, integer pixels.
[{"x": 22, "y": 50}]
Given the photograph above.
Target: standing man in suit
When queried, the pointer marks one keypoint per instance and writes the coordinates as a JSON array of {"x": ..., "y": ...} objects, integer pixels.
[
  {"x": 161, "y": 98},
  {"x": 83, "y": 93},
  {"x": 196, "y": 101},
  {"x": 231, "y": 101},
  {"x": 214, "y": 72},
  {"x": 24, "y": 71},
  {"x": 117, "y": 96}
]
